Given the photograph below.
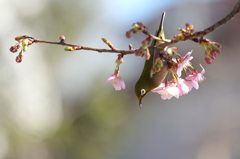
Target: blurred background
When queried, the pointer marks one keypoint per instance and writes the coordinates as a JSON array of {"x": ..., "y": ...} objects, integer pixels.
[{"x": 56, "y": 105}]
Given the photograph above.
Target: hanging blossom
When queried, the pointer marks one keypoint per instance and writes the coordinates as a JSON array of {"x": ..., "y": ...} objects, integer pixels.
[
  {"x": 183, "y": 62},
  {"x": 117, "y": 82},
  {"x": 180, "y": 86},
  {"x": 167, "y": 90}
]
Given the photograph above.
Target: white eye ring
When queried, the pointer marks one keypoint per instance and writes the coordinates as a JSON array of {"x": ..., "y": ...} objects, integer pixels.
[{"x": 143, "y": 91}]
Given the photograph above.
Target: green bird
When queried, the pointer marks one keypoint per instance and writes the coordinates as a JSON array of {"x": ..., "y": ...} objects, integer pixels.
[{"x": 146, "y": 83}]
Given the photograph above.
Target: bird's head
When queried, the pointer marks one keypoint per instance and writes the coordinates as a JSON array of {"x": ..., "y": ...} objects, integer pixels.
[{"x": 141, "y": 90}]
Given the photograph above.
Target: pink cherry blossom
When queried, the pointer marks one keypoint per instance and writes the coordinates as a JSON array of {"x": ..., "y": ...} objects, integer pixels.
[
  {"x": 196, "y": 76},
  {"x": 172, "y": 90},
  {"x": 183, "y": 87},
  {"x": 184, "y": 61},
  {"x": 191, "y": 84},
  {"x": 117, "y": 82},
  {"x": 165, "y": 94},
  {"x": 167, "y": 91},
  {"x": 159, "y": 88}
]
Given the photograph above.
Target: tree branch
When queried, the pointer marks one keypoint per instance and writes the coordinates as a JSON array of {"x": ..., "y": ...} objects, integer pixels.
[
  {"x": 208, "y": 30},
  {"x": 199, "y": 34}
]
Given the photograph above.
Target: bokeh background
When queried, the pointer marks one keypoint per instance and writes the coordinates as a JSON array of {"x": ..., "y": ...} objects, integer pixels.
[{"x": 56, "y": 105}]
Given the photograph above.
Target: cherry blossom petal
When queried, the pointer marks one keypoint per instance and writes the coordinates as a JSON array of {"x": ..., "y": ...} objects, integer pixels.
[
  {"x": 165, "y": 95},
  {"x": 110, "y": 78},
  {"x": 185, "y": 61},
  {"x": 159, "y": 88},
  {"x": 122, "y": 84},
  {"x": 174, "y": 91}
]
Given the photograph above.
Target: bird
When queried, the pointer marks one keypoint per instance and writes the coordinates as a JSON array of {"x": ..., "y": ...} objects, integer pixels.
[{"x": 145, "y": 82}]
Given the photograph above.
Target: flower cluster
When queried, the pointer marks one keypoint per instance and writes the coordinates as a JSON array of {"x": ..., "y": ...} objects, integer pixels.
[
  {"x": 178, "y": 86},
  {"x": 23, "y": 42},
  {"x": 211, "y": 49},
  {"x": 135, "y": 28},
  {"x": 159, "y": 61},
  {"x": 184, "y": 32},
  {"x": 116, "y": 80},
  {"x": 143, "y": 50}
]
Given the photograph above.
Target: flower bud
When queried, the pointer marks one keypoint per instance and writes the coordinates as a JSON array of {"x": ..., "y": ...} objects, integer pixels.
[
  {"x": 147, "y": 54},
  {"x": 136, "y": 26},
  {"x": 19, "y": 38},
  {"x": 140, "y": 24},
  {"x": 14, "y": 48},
  {"x": 25, "y": 42},
  {"x": 69, "y": 49},
  {"x": 18, "y": 59},
  {"x": 139, "y": 52},
  {"x": 217, "y": 45},
  {"x": 207, "y": 60},
  {"x": 119, "y": 60},
  {"x": 130, "y": 46},
  {"x": 62, "y": 38},
  {"x": 213, "y": 55},
  {"x": 217, "y": 50},
  {"x": 145, "y": 42},
  {"x": 135, "y": 31},
  {"x": 128, "y": 34}
]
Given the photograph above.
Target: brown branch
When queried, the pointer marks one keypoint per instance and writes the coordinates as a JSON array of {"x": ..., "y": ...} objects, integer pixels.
[
  {"x": 114, "y": 50},
  {"x": 200, "y": 34},
  {"x": 210, "y": 29}
]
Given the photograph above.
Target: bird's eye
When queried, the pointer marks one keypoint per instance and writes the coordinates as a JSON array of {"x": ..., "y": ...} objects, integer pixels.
[{"x": 143, "y": 91}]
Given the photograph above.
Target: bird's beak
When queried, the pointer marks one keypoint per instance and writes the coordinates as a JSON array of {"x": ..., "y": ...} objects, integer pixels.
[{"x": 140, "y": 103}]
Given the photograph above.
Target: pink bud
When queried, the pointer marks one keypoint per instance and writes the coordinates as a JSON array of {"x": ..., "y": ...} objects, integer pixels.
[
  {"x": 140, "y": 24},
  {"x": 13, "y": 49},
  {"x": 213, "y": 55},
  {"x": 128, "y": 34},
  {"x": 145, "y": 42},
  {"x": 139, "y": 52},
  {"x": 130, "y": 46},
  {"x": 147, "y": 54},
  {"x": 208, "y": 60},
  {"x": 218, "y": 50},
  {"x": 18, "y": 59},
  {"x": 217, "y": 45},
  {"x": 62, "y": 38}
]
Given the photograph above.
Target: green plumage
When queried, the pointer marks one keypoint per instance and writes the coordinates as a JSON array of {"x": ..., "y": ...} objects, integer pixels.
[{"x": 146, "y": 83}]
